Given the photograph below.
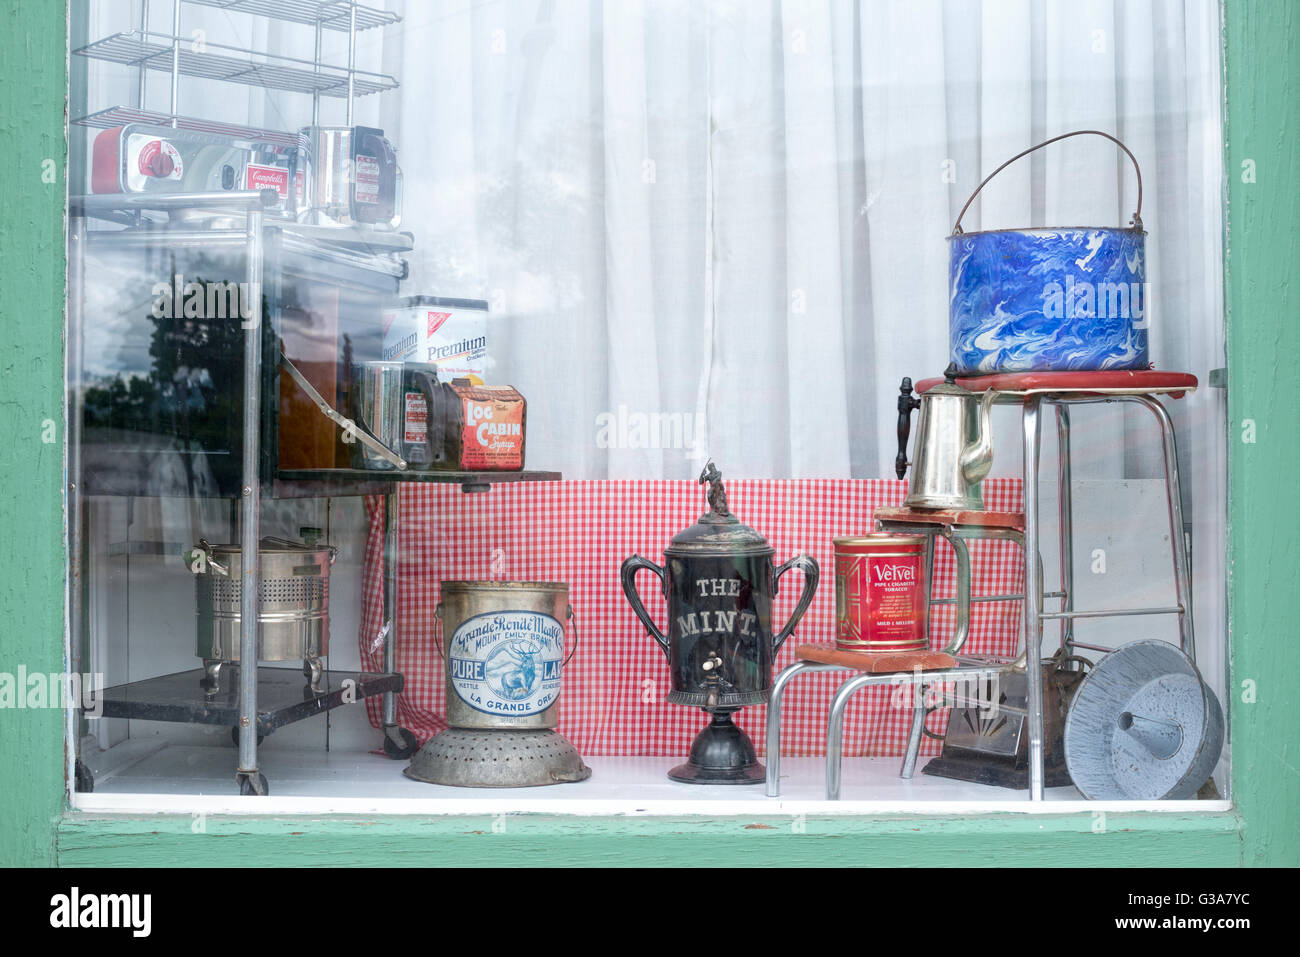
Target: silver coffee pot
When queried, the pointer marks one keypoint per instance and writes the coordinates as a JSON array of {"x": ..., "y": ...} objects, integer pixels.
[{"x": 953, "y": 451}]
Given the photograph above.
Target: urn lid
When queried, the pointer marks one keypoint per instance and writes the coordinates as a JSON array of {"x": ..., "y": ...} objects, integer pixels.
[{"x": 718, "y": 532}]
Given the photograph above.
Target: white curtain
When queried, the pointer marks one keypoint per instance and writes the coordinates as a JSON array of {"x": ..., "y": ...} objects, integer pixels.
[
  {"x": 732, "y": 215},
  {"x": 718, "y": 228},
  {"x": 725, "y": 222}
]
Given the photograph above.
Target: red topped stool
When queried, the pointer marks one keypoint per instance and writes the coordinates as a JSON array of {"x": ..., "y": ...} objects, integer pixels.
[{"x": 1034, "y": 390}]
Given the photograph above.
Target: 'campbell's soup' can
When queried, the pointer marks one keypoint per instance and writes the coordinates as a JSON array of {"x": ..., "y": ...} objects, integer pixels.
[{"x": 880, "y": 593}]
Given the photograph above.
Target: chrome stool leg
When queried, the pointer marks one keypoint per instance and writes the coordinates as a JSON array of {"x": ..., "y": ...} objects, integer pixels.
[
  {"x": 962, "y": 555},
  {"x": 963, "y": 629},
  {"x": 914, "y": 736},
  {"x": 1033, "y": 598},
  {"x": 773, "y": 731},
  {"x": 1066, "y": 515},
  {"x": 1177, "y": 541},
  {"x": 929, "y": 581},
  {"x": 835, "y": 735}
]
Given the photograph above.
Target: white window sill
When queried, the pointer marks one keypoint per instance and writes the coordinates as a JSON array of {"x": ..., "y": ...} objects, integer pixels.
[{"x": 147, "y": 776}]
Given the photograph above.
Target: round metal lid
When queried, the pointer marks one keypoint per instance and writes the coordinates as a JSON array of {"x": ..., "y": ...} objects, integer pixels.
[
  {"x": 494, "y": 585},
  {"x": 267, "y": 546},
  {"x": 718, "y": 532},
  {"x": 879, "y": 538}
]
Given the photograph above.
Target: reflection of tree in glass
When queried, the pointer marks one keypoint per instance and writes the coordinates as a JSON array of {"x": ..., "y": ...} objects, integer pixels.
[{"x": 193, "y": 390}]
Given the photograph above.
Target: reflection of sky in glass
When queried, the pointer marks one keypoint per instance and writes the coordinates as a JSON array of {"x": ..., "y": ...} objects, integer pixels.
[{"x": 118, "y": 297}]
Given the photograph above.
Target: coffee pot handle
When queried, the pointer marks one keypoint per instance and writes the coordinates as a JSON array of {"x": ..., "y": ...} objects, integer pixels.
[
  {"x": 808, "y": 565},
  {"x": 628, "y": 576},
  {"x": 435, "y": 432},
  {"x": 905, "y": 406}
]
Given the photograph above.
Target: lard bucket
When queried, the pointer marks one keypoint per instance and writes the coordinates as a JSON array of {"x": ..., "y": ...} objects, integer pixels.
[{"x": 503, "y": 647}]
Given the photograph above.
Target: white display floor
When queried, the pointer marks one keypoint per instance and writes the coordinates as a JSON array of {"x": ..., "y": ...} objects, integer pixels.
[{"x": 149, "y": 775}]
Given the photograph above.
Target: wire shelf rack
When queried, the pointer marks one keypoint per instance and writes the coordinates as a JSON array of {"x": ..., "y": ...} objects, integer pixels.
[
  {"x": 153, "y": 51},
  {"x": 330, "y": 14},
  {"x": 116, "y": 116}
]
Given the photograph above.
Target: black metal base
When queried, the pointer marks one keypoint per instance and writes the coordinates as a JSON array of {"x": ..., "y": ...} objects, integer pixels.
[
  {"x": 720, "y": 754},
  {"x": 994, "y": 770},
  {"x": 693, "y": 774},
  {"x": 283, "y": 697}
]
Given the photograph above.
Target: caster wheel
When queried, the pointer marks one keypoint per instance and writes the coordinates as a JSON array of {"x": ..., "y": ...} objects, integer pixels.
[
  {"x": 234, "y": 737},
  {"x": 403, "y": 751},
  {"x": 84, "y": 780},
  {"x": 248, "y": 786}
]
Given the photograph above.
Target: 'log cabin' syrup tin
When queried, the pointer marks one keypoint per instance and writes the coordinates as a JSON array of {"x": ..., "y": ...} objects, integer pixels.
[{"x": 880, "y": 591}]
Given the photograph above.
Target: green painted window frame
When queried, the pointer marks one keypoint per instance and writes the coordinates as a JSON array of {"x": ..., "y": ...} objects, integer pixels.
[{"x": 1261, "y": 64}]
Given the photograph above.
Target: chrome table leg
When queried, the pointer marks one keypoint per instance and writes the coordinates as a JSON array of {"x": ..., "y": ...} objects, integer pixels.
[
  {"x": 835, "y": 735},
  {"x": 1033, "y": 597},
  {"x": 773, "y": 730}
]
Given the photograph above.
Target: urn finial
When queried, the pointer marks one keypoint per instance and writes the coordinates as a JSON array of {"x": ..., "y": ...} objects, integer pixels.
[{"x": 717, "y": 493}]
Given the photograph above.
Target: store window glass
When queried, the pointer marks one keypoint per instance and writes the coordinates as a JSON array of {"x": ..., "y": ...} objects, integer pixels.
[{"x": 534, "y": 375}]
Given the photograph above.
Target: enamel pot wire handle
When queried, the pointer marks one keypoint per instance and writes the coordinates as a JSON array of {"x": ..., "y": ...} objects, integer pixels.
[
  {"x": 1137, "y": 215},
  {"x": 628, "y": 577},
  {"x": 572, "y": 616},
  {"x": 808, "y": 565}
]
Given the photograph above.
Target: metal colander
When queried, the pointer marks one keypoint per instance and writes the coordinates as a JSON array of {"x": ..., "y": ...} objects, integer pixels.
[{"x": 471, "y": 758}]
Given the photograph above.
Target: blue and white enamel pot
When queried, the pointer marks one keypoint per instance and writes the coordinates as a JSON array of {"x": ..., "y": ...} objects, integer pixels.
[{"x": 1049, "y": 299}]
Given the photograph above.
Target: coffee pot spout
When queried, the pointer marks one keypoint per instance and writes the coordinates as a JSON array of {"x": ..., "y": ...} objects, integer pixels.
[{"x": 977, "y": 458}]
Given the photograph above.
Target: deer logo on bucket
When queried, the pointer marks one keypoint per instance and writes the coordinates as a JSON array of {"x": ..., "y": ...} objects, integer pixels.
[{"x": 507, "y": 663}]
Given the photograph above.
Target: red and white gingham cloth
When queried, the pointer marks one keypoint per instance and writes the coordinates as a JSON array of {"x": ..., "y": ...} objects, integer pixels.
[{"x": 612, "y": 697}]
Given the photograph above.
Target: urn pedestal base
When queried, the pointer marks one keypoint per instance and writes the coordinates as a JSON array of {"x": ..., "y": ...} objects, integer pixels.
[{"x": 720, "y": 754}]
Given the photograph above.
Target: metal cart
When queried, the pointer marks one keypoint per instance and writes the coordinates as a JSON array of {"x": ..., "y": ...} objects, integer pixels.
[{"x": 262, "y": 699}]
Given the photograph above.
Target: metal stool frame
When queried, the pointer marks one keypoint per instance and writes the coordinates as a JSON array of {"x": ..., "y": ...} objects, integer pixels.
[
  {"x": 956, "y": 536},
  {"x": 1034, "y": 615}
]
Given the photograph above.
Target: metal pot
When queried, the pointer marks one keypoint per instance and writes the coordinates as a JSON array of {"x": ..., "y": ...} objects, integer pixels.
[
  {"x": 953, "y": 452},
  {"x": 1059, "y": 298},
  {"x": 346, "y": 176},
  {"x": 395, "y": 404},
  {"x": 504, "y": 652},
  {"x": 293, "y": 603}
]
